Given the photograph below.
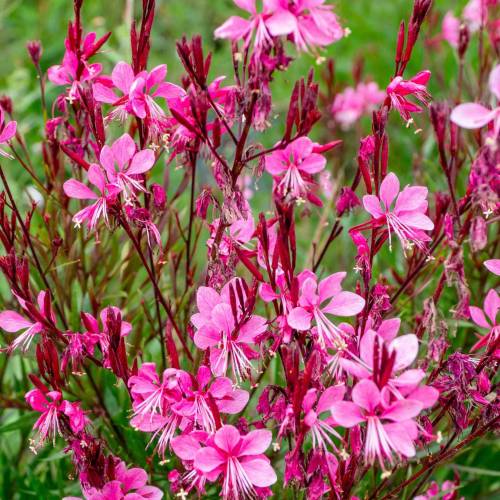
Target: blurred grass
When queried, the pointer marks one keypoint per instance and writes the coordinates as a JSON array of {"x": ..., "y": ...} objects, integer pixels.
[{"x": 373, "y": 24}]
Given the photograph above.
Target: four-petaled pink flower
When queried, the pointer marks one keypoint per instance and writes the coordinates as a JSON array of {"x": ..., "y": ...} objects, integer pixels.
[
  {"x": 51, "y": 406},
  {"x": 124, "y": 165},
  {"x": 473, "y": 115},
  {"x": 200, "y": 400},
  {"x": 390, "y": 427},
  {"x": 226, "y": 332},
  {"x": 490, "y": 307},
  {"x": 265, "y": 25},
  {"x": 399, "y": 89},
  {"x": 139, "y": 92},
  {"x": 407, "y": 219},
  {"x": 240, "y": 460},
  {"x": 7, "y": 132},
  {"x": 292, "y": 168},
  {"x": 107, "y": 194},
  {"x": 12, "y": 321},
  {"x": 73, "y": 71},
  {"x": 128, "y": 484},
  {"x": 321, "y": 429},
  {"x": 312, "y": 307}
]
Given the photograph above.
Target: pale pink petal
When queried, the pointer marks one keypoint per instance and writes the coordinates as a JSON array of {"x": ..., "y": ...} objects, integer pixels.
[
  {"x": 411, "y": 198},
  {"x": 235, "y": 28},
  {"x": 493, "y": 265},
  {"x": 366, "y": 394},
  {"x": 389, "y": 189},
  {"x": 104, "y": 94},
  {"x": 389, "y": 328},
  {"x": 227, "y": 438},
  {"x": 417, "y": 220},
  {"x": 134, "y": 478},
  {"x": 478, "y": 317},
  {"x": 313, "y": 164},
  {"x": 402, "y": 410},
  {"x": 367, "y": 346},
  {"x": 330, "y": 395},
  {"x": 409, "y": 378},
  {"x": 78, "y": 190},
  {"x": 123, "y": 150},
  {"x": 282, "y": 22},
  {"x": 36, "y": 399},
  {"x": 255, "y": 442},
  {"x": 471, "y": 115},
  {"x": 169, "y": 90},
  {"x": 345, "y": 304},
  {"x": 206, "y": 299},
  {"x": 222, "y": 318},
  {"x": 491, "y": 305},
  {"x": 330, "y": 286},
  {"x": 354, "y": 369},
  {"x": 400, "y": 438},
  {"x": 156, "y": 75},
  {"x": 208, "y": 459},
  {"x": 234, "y": 402},
  {"x": 254, "y": 327},
  {"x": 346, "y": 414},
  {"x": 141, "y": 162},
  {"x": 427, "y": 396},
  {"x": 185, "y": 447},
  {"x": 372, "y": 205},
  {"x": 406, "y": 347},
  {"x": 276, "y": 163},
  {"x": 123, "y": 76},
  {"x": 207, "y": 336},
  {"x": 494, "y": 81},
  {"x": 107, "y": 160},
  {"x": 96, "y": 177},
  {"x": 260, "y": 472},
  {"x": 8, "y": 132},
  {"x": 299, "y": 319}
]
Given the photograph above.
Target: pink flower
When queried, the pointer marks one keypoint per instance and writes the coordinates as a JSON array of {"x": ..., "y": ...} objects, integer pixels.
[
  {"x": 74, "y": 71},
  {"x": 227, "y": 332},
  {"x": 152, "y": 403},
  {"x": 11, "y": 321},
  {"x": 198, "y": 399},
  {"x": 128, "y": 484},
  {"x": 352, "y": 103},
  {"x": 240, "y": 460},
  {"x": 107, "y": 194},
  {"x": 472, "y": 115},
  {"x": 450, "y": 30},
  {"x": 315, "y": 26},
  {"x": 7, "y": 132},
  {"x": 312, "y": 307},
  {"x": 493, "y": 265},
  {"x": 80, "y": 345},
  {"x": 490, "y": 307},
  {"x": 292, "y": 168},
  {"x": 407, "y": 219},
  {"x": 264, "y": 25},
  {"x": 139, "y": 92},
  {"x": 399, "y": 89},
  {"x": 51, "y": 406},
  {"x": 390, "y": 428},
  {"x": 124, "y": 165},
  {"x": 321, "y": 429}
]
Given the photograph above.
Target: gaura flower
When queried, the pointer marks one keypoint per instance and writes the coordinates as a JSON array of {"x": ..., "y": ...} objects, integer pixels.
[
  {"x": 7, "y": 132},
  {"x": 51, "y": 406},
  {"x": 124, "y": 165},
  {"x": 390, "y": 428},
  {"x": 11, "y": 321},
  {"x": 138, "y": 92},
  {"x": 239, "y": 459},
  {"x": 399, "y": 89},
  {"x": 490, "y": 307},
  {"x": 312, "y": 307},
  {"x": 407, "y": 219},
  {"x": 107, "y": 194}
]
